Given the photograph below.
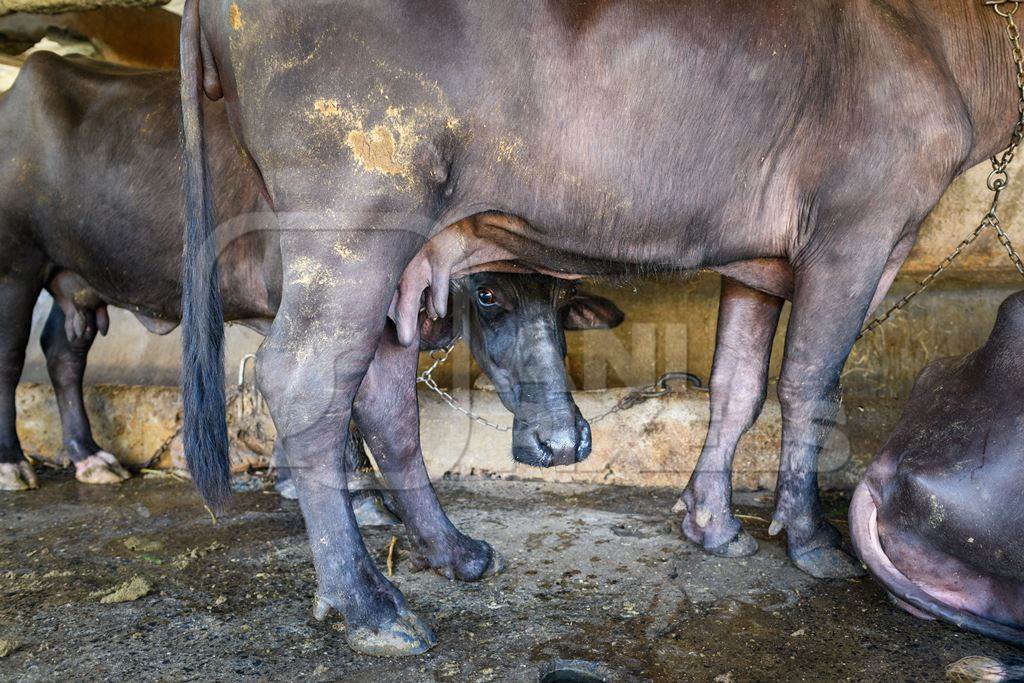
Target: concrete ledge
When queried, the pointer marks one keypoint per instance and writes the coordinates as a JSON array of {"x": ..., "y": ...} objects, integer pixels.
[
  {"x": 656, "y": 443},
  {"x": 653, "y": 444}
]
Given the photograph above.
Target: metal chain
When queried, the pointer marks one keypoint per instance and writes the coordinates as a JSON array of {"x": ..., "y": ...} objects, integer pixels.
[
  {"x": 426, "y": 378},
  {"x": 998, "y": 179},
  {"x": 658, "y": 389}
]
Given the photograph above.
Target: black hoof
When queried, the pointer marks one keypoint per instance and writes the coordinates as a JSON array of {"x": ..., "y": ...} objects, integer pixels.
[
  {"x": 406, "y": 636},
  {"x": 477, "y": 562},
  {"x": 744, "y": 545},
  {"x": 827, "y": 563},
  {"x": 495, "y": 566},
  {"x": 371, "y": 512}
]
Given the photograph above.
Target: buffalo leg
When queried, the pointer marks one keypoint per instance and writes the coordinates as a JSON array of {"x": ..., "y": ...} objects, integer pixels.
[
  {"x": 17, "y": 299},
  {"x": 747, "y": 320},
  {"x": 369, "y": 502},
  {"x": 831, "y": 301},
  {"x": 65, "y": 362},
  {"x": 309, "y": 369},
  {"x": 388, "y": 412}
]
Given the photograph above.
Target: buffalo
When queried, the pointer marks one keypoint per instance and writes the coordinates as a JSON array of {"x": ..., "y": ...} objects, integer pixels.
[
  {"x": 796, "y": 147},
  {"x": 937, "y": 518},
  {"x": 93, "y": 213}
]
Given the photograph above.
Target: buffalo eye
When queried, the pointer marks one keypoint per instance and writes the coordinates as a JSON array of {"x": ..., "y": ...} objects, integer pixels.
[{"x": 486, "y": 298}]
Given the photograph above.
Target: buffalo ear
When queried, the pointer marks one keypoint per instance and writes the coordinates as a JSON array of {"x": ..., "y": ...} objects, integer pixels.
[
  {"x": 436, "y": 334},
  {"x": 587, "y": 312}
]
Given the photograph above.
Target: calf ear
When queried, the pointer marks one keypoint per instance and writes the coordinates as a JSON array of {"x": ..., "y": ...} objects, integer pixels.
[
  {"x": 436, "y": 334},
  {"x": 586, "y": 312}
]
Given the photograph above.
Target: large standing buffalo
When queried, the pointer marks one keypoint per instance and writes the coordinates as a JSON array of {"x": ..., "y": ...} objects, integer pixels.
[
  {"x": 938, "y": 518},
  {"x": 80, "y": 134},
  {"x": 794, "y": 146}
]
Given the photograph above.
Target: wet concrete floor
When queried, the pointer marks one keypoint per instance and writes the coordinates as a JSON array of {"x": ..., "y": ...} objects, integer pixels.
[{"x": 594, "y": 573}]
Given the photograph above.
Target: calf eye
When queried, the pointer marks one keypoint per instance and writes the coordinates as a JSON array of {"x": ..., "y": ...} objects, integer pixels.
[{"x": 486, "y": 298}]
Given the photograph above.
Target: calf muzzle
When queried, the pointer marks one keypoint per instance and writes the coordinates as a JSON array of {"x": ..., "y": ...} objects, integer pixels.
[{"x": 551, "y": 440}]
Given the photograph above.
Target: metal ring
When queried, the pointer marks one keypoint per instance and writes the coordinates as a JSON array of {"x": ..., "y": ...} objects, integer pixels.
[
  {"x": 690, "y": 379},
  {"x": 1008, "y": 13},
  {"x": 997, "y": 5},
  {"x": 998, "y": 179}
]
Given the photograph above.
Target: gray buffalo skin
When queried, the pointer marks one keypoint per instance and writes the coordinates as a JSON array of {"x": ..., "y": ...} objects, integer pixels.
[
  {"x": 938, "y": 518},
  {"x": 794, "y": 146},
  {"x": 93, "y": 212}
]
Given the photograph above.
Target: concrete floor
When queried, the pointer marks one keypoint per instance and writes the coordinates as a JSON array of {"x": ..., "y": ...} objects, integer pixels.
[{"x": 595, "y": 573}]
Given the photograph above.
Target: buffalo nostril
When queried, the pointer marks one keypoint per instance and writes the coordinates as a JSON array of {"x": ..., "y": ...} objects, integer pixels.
[
  {"x": 542, "y": 446},
  {"x": 528, "y": 449},
  {"x": 563, "y": 448}
]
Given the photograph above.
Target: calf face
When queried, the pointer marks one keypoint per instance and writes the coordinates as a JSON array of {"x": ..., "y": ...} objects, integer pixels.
[{"x": 515, "y": 325}]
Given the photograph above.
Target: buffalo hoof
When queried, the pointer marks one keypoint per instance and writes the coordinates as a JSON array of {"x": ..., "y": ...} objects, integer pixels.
[
  {"x": 482, "y": 564},
  {"x": 471, "y": 561},
  {"x": 496, "y": 565},
  {"x": 744, "y": 545},
  {"x": 827, "y": 563},
  {"x": 369, "y": 508},
  {"x": 17, "y": 476},
  {"x": 408, "y": 635},
  {"x": 286, "y": 489},
  {"x": 101, "y": 469},
  {"x": 706, "y": 529},
  {"x": 403, "y": 636},
  {"x": 370, "y": 511}
]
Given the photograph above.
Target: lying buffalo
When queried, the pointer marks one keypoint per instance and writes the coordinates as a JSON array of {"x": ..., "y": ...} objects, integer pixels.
[
  {"x": 91, "y": 213},
  {"x": 795, "y": 146},
  {"x": 938, "y": 518}
]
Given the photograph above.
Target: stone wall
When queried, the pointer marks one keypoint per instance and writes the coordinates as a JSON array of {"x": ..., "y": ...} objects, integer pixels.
[{"x": 653, "y": 444}]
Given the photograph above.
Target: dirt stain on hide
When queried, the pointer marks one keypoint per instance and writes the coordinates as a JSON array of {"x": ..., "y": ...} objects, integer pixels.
[
  {"x": 342, "y": 250},
  {"x": 331, "y": 109},
  {"x": 387, "y": 147},
  {"x": 392, "y": 129},
  {"x": 376, "y": 150},
  {"x": 237, "y": 23},
  {"x": 308, "y": 272}
]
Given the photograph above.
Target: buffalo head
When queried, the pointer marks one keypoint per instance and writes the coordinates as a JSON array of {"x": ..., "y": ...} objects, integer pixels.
[{"x": 515, "y": 326}]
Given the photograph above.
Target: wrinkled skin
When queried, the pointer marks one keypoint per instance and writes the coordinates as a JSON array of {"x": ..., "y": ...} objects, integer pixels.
[
  {"x": 89, "y": 252},
  {"x": 402, "y": 144},
  {"x": 937, "y": 518}
]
